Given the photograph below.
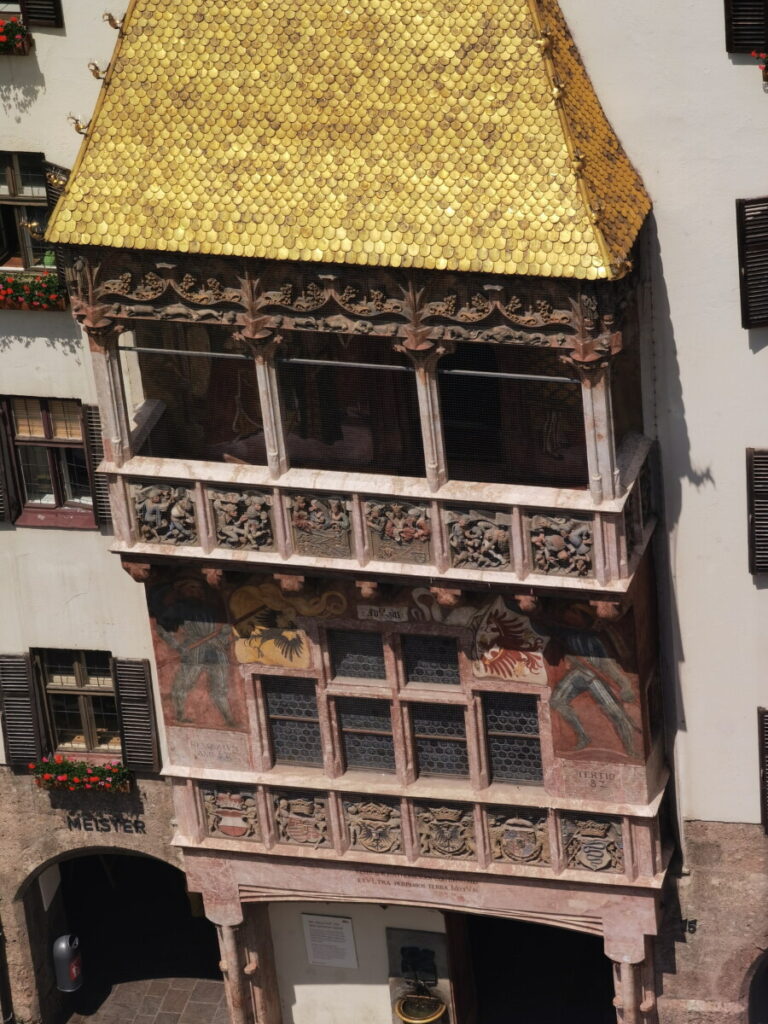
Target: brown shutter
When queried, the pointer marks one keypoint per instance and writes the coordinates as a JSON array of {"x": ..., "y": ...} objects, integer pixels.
[
  {"x": 746, "y": 25},
  {"x": 95, "y": 450},
  {"x": 762, "y": 739},
  {"x": 757, "y": 504},
  {"x": 22, "y": 721},
  {"x": 45, "y": 13},
  {"x": 752, "y": 232},
  {"x": 135, "y": 708},
  {"x": 55, "y": 183},
  {"x": 10, "y": 506}
]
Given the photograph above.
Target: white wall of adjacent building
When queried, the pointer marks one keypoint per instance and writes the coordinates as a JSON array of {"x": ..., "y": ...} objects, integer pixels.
[{"x": 692, "y": 119}]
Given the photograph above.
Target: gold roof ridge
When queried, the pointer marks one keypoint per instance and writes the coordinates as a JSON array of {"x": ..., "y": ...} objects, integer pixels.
[{"x": 450, "y": 134}]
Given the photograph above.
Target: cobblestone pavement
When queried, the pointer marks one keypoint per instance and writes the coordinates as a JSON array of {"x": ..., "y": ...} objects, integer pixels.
[{"x": 160, "y": 1001}]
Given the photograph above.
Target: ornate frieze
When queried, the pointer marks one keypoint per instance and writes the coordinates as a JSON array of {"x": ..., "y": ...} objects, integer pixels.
[
  {"x": 374, "y": 825},
  {"x": 561, "y": 545},
  {"x": 593, "y": 843},
  {"x": 399, "y": 531},
  {"x": 478, "y": 539},
  {"x": 519, "y": 835},
  {"x": 321, "y": 525},
  {"x": 445, "y": 831},
  {"x": 242, "y": 520},
  {"x": 165, "y": 514},
  {"x": 231, "y": 812},
  {"x": 302, "y": 818}
]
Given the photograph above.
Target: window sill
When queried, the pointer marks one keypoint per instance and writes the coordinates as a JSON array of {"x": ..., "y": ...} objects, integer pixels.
[{"x": 58, "y": 518}]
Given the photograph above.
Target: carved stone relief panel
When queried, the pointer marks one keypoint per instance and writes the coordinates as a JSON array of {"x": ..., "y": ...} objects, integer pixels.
[
  {"x": 231, "y": 812},
  {"x": 321, "y": 525},
  {"x": 242, "y": 519},
  {"x": 374, "y": 825},
  {"x": 478, "y": 539},
  {"x": 561, "y": 545},
  {"x": 593, "y": 843},
  {"x": 399, "y": 531},
  {"x": 446, "y": 831},
  {"x": 301, "y": 818},
  {"x": 519, "y": 835},
  {"x": 165, "y": 514}
]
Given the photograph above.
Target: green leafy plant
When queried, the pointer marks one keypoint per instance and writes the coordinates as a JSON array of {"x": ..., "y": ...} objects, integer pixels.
[
  {"x": 60, "y": 772},
  {"x": 39, "y": 289},
  {"x": 14, "y": 36}
]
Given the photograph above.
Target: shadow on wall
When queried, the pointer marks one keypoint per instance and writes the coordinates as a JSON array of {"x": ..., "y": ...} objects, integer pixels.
[
  {"x": 22, "y": 328},
  {"x": 21, "y": 85}
]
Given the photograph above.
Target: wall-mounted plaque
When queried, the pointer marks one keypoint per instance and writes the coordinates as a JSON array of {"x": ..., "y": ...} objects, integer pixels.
[{"x": 330, "y": 941}]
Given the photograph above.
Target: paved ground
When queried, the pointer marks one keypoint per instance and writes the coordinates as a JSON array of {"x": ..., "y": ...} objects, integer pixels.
[{"x": 159, "y": 1001}]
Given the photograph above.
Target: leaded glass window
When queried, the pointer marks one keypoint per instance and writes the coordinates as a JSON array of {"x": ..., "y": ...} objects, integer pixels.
[
  {"x": 439, "y": 735},
  {"x": 431, "y": 659},
  {"x": 512, "y": 730},
  {"x": 356, "y": 653},
  {"x": 294, "y": 726},
  {"x": 366, "y": 733}
]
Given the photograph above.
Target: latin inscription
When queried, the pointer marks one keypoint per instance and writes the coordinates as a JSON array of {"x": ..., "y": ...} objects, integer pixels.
[
  {"x": 596, "y": 779},
  {"x": 218, "y": 751},
  {"x": 78, "y": 821},
  {"x": 381, "y": 613},
  {"x": 405, "y": 881}
]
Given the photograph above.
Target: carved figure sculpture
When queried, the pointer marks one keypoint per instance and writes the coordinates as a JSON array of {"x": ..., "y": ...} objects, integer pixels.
[
  {"x": 562, "y": 546},
  {"x": 321, "y": 526},
  {"x": 478, "y": 540},
  {"x": 242, "y": 519},
  {"x": 400, "y": 532},
  {"x": 165, "y": 514}
]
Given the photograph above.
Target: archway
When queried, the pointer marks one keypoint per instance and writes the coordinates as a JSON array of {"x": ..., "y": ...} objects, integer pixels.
[{"x": 758, "y": 993}]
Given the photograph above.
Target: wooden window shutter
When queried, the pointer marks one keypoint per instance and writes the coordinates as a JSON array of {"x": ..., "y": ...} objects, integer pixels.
[
  {"x": 55, "y": 182},
  {"x": 752, "y": 231},
  {"x": 10, "y": 505},
  {"x": 22, "y": 722},
  {"x": 135, "y": 708},
  {"x": 45, "y": 13},
  {"x": 95, "y": 449},
  {"x": 757, "y": 504},
  {"x": 762, "y": 734},
  {"x": 746, "y": 25}
]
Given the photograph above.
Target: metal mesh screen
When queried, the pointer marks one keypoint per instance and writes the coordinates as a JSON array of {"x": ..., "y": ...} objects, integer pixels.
[
  {"x": 356, "y": 654},
  {"x": 366, "y": 731},
  {"x": 291, "y": 706},
  {"x": 512, "y": 731},
  {"x": 431, "y": 659},
  {"x": 439, "y": 736}
]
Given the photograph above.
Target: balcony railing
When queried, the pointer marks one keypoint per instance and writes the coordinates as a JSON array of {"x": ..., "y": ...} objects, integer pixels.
[{"x": 315, "y": 519}]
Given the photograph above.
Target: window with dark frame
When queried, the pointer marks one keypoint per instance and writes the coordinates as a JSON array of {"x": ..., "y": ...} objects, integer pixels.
[
  {"x": 512, "y": 736},
  {"x": 356, "y": 654},
  {"x": 440, "y": 739},
  {"x": 40, "y": 13},
  {"x": 366, "y": 733},
  {"x": 431, "y": 659},
  {"x": 746, "y": 25},
  {"x": 80, "y": 699},
  {"x": 23, "y": 212},
  {"x": 294, "y": 724}
]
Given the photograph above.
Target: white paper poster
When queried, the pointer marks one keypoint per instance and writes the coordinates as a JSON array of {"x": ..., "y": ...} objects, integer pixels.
[{"x": 330, "y": 941}]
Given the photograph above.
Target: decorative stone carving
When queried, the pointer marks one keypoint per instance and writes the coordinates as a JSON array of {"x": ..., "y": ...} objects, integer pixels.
[
  {"x": 231, "y": 812},
  {"x": 374, "y": 825},
  {"x": 242, "y": 520},
  {"x": 478, "y": 539},
  {"x": 399, "y": 531},
  {"x": 165, "y": 514},
  {"x": 519, "y": 835},
  {"x": 446, "y": 831},
  {"x": 561, "y": 545},
  {"x": 321, "y": 526},
  {"x": 593, "y": 844},
  {"x": 302, "y": 819}
]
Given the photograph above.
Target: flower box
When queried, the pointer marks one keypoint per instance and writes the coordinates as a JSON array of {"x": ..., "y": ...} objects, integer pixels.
[
  {"x": 32, "y": 289},
  {"x": 64, "y": 774},
  {"x": 15, "y": 37}
]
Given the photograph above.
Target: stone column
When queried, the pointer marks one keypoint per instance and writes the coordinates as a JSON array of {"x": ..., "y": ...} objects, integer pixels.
[
  {"x": 595, "y": 377},
  {"x": 103, "y": 338},
  {"x": 633, "y": 978},
  {"x": 223, "y": 908},
  {"x": 425, "y": 359},
  {"x": 263, "y": 345}
]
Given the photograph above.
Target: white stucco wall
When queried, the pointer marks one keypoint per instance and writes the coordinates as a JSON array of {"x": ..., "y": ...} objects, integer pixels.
[
  {"x": 692, "y": 119},
  {"x": 309, "y": 994}
]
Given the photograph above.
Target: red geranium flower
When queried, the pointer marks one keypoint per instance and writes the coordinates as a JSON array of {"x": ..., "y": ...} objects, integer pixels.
[
  {"x": 58, "y": 759},
  {"x": 61, "y": 778},
  {"x": 47, "y": 776},
  {"x": 31, "y": 766},
  {"x": 3, "y": 39}
]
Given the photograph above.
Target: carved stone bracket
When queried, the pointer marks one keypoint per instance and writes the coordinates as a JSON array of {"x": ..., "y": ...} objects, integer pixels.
[
  {"x": 288, "y": 583},
  {"x": 141, "y": 572}
]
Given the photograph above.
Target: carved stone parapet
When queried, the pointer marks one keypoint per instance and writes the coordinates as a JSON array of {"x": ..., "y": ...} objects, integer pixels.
[
  {"x": 231, "y": 812},
  {"x": 593, "y": 843},
  {"x": 242, "y": 520},
  {"x": 165, "y": 514},
  {"x": 373, "y": 825},
  {"x": 321, "y": 525},
  {"x": 301, "y": 818},
  {"x": 399, "y": 531},
  {"x": 561, "y": 545},
  {"x": 519, "y": 835},
  {"x": 446, "y": 831},
  {"x": 478, "y": 539}
]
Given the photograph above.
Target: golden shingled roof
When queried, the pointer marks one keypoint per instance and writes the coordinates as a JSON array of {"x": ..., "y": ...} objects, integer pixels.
[{"x": 448, "y": 134}]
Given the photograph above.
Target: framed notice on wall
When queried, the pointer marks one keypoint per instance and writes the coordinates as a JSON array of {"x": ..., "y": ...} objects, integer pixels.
[{"x": 330, "y": 941}]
